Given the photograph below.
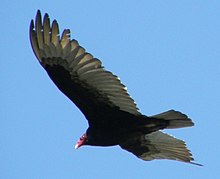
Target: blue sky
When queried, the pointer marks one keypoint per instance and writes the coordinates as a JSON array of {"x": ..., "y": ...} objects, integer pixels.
[{"x": 167, "y": 53}]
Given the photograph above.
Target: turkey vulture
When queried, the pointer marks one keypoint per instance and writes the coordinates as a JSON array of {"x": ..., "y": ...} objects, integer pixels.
[{"x": 112, "y": 114}]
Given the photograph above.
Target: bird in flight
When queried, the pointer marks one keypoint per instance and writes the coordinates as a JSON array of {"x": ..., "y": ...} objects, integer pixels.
[{"x": 112, "y": 114}]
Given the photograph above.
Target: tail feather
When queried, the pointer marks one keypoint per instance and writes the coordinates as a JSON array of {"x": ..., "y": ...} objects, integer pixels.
[{"x": 176, "y": 119}]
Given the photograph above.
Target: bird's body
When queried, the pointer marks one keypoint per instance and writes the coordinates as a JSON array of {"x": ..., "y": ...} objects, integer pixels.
[{"x": 112, "y": 114}]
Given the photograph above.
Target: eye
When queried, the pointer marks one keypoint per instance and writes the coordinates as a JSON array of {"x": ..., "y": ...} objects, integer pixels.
[{"x": 82, "y": 137}]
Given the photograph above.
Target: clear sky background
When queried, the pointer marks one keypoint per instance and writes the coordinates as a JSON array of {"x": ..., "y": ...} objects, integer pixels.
[{"x": 166, "y": 52}]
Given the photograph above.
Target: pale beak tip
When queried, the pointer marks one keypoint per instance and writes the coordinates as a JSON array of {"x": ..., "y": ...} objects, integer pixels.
[{"x": 76, "y": 146}]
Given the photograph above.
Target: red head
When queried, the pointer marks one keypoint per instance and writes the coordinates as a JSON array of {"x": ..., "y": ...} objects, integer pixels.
[{"x": 81, "y": 141}]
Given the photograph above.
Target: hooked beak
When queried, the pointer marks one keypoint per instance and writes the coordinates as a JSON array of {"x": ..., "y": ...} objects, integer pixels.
[
  {"x": 77, "y": 146},
  {"x": 81, "y": 141}
]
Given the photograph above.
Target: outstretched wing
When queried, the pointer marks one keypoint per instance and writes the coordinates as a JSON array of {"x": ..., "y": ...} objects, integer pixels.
[
  {"x": 79, "y": 75},
  {"x": 158, "y": 145}
]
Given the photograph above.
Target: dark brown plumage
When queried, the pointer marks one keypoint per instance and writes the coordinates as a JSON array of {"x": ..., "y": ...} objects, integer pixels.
[{"x": 112, "y": 114}]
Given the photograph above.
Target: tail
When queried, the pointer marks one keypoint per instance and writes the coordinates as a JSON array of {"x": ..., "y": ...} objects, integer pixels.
[{"x": 176, "y": 119}]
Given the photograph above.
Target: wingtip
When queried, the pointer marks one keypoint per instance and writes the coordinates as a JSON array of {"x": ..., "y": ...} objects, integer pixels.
[
  {"x": 46, "y": 16},
  {"x": 38, "y": 11},
  {"x": 198, "y": 164},
  {"x": 38, "y": 16},
  {"x": 31, "y": 27}
]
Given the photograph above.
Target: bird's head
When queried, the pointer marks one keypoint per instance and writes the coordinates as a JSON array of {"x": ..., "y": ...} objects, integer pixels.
[{"x": 82, "y": 141}]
